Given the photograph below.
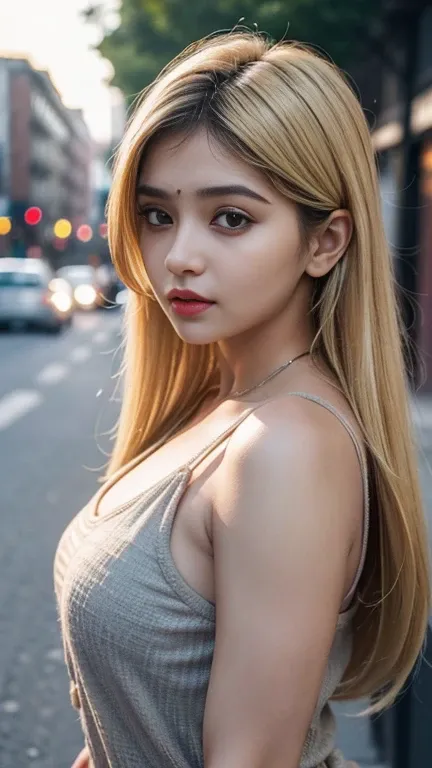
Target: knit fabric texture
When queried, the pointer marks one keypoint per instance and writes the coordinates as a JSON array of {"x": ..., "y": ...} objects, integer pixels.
[{"x": 139, "y": 641}]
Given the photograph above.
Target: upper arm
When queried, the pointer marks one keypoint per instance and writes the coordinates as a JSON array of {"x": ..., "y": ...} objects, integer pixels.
[{"x": 281, "y": 538}]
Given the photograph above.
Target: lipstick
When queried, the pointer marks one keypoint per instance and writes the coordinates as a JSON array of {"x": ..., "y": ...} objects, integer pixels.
[{"x": 188, "y": 303}]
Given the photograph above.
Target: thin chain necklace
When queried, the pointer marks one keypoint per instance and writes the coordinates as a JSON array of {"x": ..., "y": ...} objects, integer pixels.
[{"x": 241, "y": 392}]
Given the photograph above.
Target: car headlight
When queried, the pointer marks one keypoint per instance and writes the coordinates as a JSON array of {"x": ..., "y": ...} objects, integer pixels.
[
  {"x": 62, "y": 301},
  {"x": 59, "y": 284},
  {"x": 85, "y": 295}
]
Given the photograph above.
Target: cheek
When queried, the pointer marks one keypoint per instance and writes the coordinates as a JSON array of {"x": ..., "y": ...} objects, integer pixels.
[
  {"x": 267, "y": 264},
  {"x": 153, "y": 260}
]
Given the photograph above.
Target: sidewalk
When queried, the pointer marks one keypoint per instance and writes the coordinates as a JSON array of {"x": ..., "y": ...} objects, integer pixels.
[
  {"x": 422, "y": 416},
  {"x": 354, "y": 736},
  {"x": 421, "y": 408}
]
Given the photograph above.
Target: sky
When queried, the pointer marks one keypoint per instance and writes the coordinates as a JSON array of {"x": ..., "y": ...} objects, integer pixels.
[{"x": 51, "y": 34}]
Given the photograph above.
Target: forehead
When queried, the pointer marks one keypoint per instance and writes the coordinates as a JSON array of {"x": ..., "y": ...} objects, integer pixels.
[{"x": 195, "y": 161}]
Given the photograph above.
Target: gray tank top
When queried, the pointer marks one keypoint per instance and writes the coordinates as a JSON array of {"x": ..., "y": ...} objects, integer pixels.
[{"x": 139, "y": 641}]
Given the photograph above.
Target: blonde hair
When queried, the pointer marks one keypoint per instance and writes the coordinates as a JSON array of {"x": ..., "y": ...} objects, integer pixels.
[{"x": 290, "y": 113}]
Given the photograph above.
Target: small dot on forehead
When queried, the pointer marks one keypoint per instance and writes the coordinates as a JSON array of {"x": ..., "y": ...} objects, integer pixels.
[{"x": 179, "y": 191}]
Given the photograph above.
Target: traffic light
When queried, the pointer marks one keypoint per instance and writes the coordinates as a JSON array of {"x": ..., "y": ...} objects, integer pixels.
[
  {"x": 5, "y": 225},
  {"x": 33, "y": 215},
  {"x": 62, "y": 229}
]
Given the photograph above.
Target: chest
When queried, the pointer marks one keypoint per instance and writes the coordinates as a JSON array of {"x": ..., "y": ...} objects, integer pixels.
[
  {"x": 189, "y": 548},
  {"x": 191, "y": 534},
  {"x": 127, "y": 615}
]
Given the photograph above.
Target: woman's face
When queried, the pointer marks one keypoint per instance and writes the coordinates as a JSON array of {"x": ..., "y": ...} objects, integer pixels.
[{"x": 213, "y": 225}]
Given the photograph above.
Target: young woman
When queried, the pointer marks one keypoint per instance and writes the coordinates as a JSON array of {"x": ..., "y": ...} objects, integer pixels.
[{"x": 259, "y": 545}]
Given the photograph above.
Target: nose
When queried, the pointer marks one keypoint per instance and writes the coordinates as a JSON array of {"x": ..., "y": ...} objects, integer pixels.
[{"x": 184, "y": 255}]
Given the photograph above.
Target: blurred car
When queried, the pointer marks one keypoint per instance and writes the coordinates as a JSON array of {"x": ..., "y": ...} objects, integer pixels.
[
  {"x": 30, "y": 297},
  {"x": 121, "y": 298},
  {"x": 110, "y": 284},
  {"x": 87, "y": 293}
]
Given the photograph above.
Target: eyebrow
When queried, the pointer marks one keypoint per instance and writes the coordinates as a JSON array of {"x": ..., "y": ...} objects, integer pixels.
[{"x": 205, "y": 192}]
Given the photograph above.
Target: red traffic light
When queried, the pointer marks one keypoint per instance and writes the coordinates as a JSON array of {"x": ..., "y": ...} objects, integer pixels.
[{"x": 33, "y": 215}]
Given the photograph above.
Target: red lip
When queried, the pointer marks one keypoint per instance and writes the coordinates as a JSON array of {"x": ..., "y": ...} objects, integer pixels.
[{"x": 176, "y": 293}]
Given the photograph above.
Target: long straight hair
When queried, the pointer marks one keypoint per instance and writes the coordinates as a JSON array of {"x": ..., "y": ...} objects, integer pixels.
[{"x": 291, "y": 114}]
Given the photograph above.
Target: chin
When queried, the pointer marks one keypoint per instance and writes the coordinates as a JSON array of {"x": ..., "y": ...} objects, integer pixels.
[{"x": 195, "y": 335}]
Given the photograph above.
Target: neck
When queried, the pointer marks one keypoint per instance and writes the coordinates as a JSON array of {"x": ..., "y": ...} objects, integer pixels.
[{"x": 246, "y": 362}]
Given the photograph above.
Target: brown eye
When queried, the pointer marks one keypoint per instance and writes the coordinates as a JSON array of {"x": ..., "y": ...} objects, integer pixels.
[
  {"x": 233, "y": 220},
  {"x": 156, "y": 217}
]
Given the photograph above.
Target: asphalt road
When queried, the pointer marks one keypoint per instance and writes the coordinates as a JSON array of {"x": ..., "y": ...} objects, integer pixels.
[
  {"x": 54, "y": 406},
  {"x": 56, "y": 403}
]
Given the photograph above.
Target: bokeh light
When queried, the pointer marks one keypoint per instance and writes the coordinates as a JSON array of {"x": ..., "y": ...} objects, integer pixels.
[
  {"x": 427, "y": 160},
  {"x": 59, "y": 243},
  {"x": 103, "y": 230},
  {"x": 84, "y": 233},
  {"x": 34, "y": 252},
  {"x": 33, "y": 215},
  {"x": 5, "y": 225},
  {"x": 62, "y": 229}
]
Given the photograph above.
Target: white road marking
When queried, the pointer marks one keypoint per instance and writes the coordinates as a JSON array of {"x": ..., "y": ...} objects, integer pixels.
[
  {"x": 17, "y": 404},
  {"x": 80, "y": 354},
  {"x": 100, "y": 337},
  {"x": 52, "y": 374}
]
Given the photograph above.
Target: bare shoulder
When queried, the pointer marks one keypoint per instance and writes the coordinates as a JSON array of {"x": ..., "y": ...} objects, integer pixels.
[
  {"x": 294, "y": 448},
  {"x": 292, "y": 431},
  {"x": 283, "y": 530}
]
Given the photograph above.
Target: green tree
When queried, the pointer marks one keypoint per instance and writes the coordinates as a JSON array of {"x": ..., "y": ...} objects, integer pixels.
[{"x": 152, "y": 32}]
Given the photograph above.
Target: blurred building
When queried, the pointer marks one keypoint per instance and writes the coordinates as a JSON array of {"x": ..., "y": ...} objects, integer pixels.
[
  {"x": 101, "y": 177},
  {"x": 80, "y": 155},
  {"x": 104, "y": 153},
  {"x": 118, "y": 115},
  {"x": 45, "y": 157},
  {"x": 387, "y": 136},
  {"x": 97, "y": 251}
]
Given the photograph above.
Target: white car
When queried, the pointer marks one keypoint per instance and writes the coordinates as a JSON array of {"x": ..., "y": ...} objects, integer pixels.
[
  {"x": 85, "y": 287},
  {"x": 29, "y": 295}
]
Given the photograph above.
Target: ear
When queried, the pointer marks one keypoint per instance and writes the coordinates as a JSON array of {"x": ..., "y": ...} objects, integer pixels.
[{"x": 329, "y": 243}]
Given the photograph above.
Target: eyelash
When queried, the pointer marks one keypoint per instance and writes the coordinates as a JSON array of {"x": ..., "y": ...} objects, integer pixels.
[{"x": 143, "y": 213}]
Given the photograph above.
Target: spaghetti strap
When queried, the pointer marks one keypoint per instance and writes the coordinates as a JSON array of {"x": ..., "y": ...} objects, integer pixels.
[{"x": 204, "y": 452}]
